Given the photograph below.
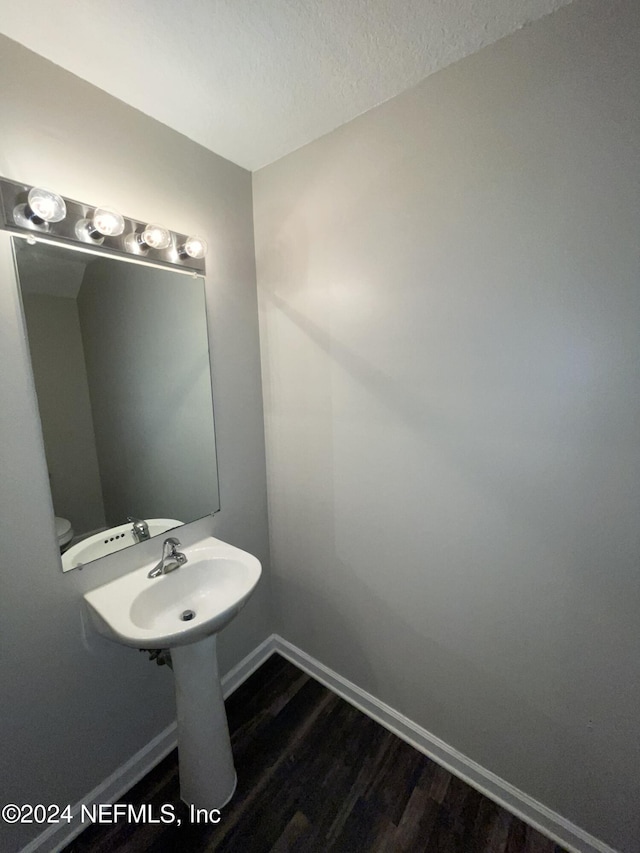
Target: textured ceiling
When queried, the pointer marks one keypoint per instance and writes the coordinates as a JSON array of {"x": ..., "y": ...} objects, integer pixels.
[{"x": 253, "y": 80}]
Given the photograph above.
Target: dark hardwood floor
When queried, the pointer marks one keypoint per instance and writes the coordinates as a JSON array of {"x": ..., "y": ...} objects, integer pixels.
[{"x": 318, "y": 776}]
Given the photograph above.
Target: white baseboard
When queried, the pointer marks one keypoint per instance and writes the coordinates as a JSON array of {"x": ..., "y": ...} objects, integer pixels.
[
  {"x": 537, "y": 815},
  {"x": 551, "y": 824},
  {"x": 247, "y": 666},
  {"x": 57, "y": 836}
]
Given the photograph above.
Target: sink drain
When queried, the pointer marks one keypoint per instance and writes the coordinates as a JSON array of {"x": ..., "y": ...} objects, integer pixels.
[{"x": 187, "y": 615}]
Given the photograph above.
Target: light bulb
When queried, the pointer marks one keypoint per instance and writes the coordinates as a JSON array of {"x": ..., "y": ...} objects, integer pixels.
[
  {"x": 155, "y": 237},
  {"x": 42, "y": 207},
  {"x": 106, "y": 222},
  {"x": 193, "y": 247},
  {"x": 47, "y": 206}
]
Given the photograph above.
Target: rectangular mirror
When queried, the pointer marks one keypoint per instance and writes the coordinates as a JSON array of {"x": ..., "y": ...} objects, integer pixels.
[{"x": 120, "y": 359}]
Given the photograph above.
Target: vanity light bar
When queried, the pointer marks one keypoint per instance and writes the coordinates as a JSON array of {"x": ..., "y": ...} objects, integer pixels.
[{"x": 33, "y": 210}]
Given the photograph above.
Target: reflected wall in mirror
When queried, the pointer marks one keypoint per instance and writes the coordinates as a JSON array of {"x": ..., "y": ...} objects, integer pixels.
[{"x": 120, "y": 360}]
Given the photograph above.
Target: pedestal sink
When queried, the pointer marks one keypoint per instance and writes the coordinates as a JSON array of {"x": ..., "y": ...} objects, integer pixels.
[{"x": 183, "y": 610}]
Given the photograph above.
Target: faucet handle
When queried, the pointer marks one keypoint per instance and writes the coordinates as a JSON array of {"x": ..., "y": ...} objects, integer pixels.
[
  {"x": 140, "y": 528},
  {"x": 172, "y": 542}
]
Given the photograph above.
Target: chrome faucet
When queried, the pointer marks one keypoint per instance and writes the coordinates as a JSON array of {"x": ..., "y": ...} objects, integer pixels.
[
  {"x": 140, "y": 528},
  {"x": 171, "y": 558}
]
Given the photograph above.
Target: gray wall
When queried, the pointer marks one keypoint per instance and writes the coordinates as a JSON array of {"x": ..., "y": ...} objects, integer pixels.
[
  {"x": 450, "y": 326},
  {"x": 57, "y": 358},
  {"x": 145, "y": 342},
  {"x": 71, "y": 713}
]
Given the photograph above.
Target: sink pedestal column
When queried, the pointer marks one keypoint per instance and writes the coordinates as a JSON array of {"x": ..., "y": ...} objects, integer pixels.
[{"x": 207, "y": 774}]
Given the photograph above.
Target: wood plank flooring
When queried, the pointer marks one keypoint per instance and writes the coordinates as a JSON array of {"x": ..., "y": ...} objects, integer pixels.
[{"x": 315, "y": 775}]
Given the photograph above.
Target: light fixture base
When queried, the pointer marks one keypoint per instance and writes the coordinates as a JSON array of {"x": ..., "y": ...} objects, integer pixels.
[{"x": 82, "y": 225}]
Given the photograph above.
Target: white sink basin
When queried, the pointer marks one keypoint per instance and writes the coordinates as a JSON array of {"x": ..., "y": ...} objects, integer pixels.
[
  {"x": 108, "y": 541},
  {"x": 150, "y": 613}
]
